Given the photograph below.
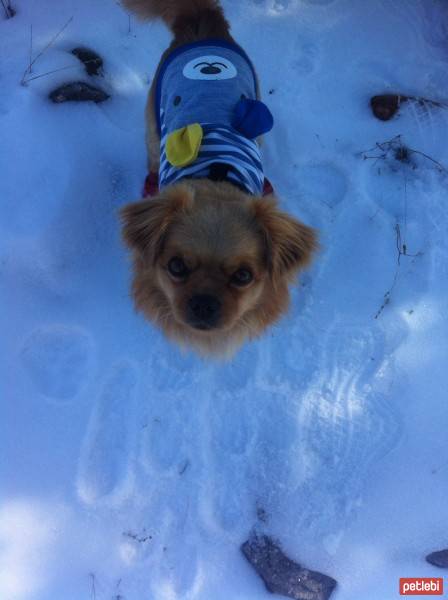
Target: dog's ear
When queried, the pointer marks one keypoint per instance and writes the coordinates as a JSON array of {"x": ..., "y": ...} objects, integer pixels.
[
  {"x": 146, "y": 223},
  {"x": 289, "y": 244}
]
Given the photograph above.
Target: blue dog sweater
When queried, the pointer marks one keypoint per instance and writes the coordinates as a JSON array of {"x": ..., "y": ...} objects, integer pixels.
[{"x": 212, "y": 83}]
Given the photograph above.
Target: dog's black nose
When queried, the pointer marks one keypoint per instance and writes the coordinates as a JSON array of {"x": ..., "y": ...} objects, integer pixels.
[{"x": 203, "y": 311}]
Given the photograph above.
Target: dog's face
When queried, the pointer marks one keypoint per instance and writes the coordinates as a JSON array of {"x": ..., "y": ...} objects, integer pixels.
[{"x": 212, "y": 264}]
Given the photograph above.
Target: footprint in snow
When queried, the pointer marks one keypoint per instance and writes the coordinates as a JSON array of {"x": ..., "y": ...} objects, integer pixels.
[
  {"x": 164, "y": 539},
  {"x": 162, "y": 437},
  {"x": 171, "y": 370},
  {"x": 290, "y": 359},
  {"x": 306, "y": 57},
  {"x": 435, "y": 25},
  {"x": 424, "y": 19},
  {"x": 252, "y": 463},
  {"x": 324, "y": 183},
  {"x": 230, "y": 425},
  {"x": 236, "y": 374},
  {"x": 428, "y": 119},
  {"x": 58, "y": 360},
  {"x": 179, "y": 570},
  {"x": 396, "y": 188},
  {"x": 227, "y": 502},
  {"x": 346, "y": 424},
  {"x": 224, "y": 503},
  {"x": 274, "y": 451},
  {"x": 438, "y": 215},
  {"x": 320, "y": 2},
  {"x": 105, "y": 472},
  {"x": 276, "y": 6}
]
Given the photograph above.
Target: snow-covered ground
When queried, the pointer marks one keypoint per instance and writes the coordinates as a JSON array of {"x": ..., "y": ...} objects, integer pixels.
[{"x": 130, "y": 471}]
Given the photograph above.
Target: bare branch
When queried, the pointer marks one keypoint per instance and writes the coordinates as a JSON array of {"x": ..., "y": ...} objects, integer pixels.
[
  {"x": 31, "y": 48},
  {"x": 50, "y": 73},
  {"x": 402, "y": 152},
  {"x": 50, "y": 43},
  {"x": 9, "y": 11},
  {"x": 436, "y": 162},
  {"x": 92, "y": 586}
]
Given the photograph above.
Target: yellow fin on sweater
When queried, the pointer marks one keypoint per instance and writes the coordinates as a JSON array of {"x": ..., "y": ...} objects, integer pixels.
[{"x": 182, "y": 145}]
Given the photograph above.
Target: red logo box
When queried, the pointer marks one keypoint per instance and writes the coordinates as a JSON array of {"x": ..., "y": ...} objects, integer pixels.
[{"x": 421, "y": 586}]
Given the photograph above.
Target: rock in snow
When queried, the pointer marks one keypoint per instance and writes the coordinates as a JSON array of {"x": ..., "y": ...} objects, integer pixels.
[
  {"x": 439, "y": 559},
  {"x": 385, "y": 106},
  {"x": 78, "y": 91},
  {"x": 283, "y": 576},
  {"x": 91, "y": 60}
]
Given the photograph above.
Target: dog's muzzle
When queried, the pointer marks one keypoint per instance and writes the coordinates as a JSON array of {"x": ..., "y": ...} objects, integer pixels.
[{"x": 203, "y": 311}]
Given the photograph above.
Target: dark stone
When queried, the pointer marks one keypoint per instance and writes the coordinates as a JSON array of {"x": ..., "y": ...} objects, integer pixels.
[
  {"x": 438, "y": 559},
  {"x": 78, "y": 91},
  {"x": 283, "y": 576},
  {"x": 384, "y": 107},
  {"x": 91, "y": 60}
]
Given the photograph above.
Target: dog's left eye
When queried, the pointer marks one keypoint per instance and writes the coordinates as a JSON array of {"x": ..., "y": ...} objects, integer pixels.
[
  {"x": 242, "y": 277},
  {"x": 178, "y": 268}
]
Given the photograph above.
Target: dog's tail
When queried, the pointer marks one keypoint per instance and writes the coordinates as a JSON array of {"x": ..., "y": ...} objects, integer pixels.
[{"x": 200, "y": 18}]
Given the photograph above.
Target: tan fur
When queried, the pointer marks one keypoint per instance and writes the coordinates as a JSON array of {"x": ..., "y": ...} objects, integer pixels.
[
  {"x": 213, "y": 226},
  {"x": 169, "y": 10}
]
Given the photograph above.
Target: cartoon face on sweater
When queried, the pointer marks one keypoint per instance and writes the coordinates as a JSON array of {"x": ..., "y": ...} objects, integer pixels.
[
  {"x": 208, "y": 113},
  {"x": 209, "y": 68}
]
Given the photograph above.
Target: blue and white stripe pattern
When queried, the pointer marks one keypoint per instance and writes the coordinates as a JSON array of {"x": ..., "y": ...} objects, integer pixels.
[{"x": 220, "y": 144}]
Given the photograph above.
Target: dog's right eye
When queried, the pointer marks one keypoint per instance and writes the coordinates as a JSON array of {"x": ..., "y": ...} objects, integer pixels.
[
  {"x": 242, "y": 277},
  {"x": 178, "y": 268}
]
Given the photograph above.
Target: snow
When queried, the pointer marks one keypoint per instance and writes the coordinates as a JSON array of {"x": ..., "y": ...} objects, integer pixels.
[{"x": 130, "y": 470}]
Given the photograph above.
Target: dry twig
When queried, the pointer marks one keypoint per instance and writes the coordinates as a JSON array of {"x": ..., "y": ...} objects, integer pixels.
[
  {"x": 400, "y": 152},
  {"x": 9, "y": 11},
  {"x": 24, "y": 79},
  {"x": 92, "y": 586}
]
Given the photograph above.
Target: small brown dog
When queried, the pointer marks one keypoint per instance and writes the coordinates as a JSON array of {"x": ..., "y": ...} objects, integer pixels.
[{"x": 212, "y": 257}]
